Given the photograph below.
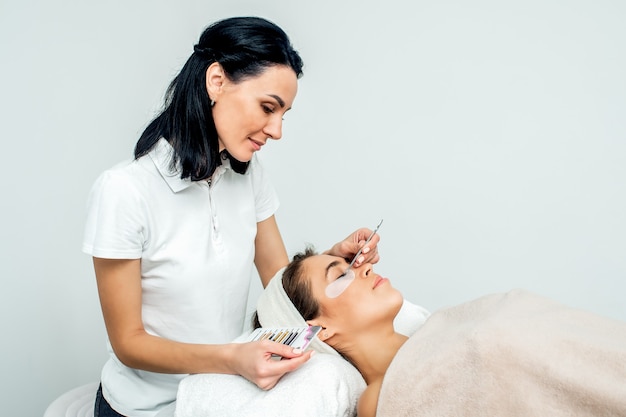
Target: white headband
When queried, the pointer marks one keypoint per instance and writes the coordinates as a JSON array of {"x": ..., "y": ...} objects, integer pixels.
[{"x": 275, "y": 309}]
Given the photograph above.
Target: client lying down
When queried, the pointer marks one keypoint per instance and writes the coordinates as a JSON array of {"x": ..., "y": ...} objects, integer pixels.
[{"x": 512, "y": 354}]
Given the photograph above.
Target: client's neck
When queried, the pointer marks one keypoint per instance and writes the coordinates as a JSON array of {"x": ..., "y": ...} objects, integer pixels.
[{"x": 372, "y": 352}]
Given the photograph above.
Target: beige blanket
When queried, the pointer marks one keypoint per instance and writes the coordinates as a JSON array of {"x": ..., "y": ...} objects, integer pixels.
[{"x": 513, "y": 354}]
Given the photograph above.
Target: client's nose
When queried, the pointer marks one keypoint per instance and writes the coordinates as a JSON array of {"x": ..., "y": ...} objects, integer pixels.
[{"x": 364, "y": 270}]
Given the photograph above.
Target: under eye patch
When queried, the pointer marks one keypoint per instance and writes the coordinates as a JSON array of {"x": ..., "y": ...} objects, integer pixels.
[{"x": 337, "y": 287}]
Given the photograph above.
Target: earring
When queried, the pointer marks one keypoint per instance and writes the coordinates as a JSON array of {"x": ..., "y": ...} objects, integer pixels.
[
  {"x": 325, "y": 334},
  {"x": 212, "y": 103}
]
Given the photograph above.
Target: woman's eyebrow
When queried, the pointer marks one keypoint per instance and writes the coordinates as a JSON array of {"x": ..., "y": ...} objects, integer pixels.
[
  {"x": 331, "y": 266},
  {"x": 280, "y": 101}
]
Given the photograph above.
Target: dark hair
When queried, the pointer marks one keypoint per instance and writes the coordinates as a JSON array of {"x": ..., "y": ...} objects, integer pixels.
[
  {"x": 244, "y": 47},
  {"x": 298, "y": 288}
]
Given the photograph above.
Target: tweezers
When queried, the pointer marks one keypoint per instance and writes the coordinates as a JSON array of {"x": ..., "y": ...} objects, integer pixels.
[{"x": 366, "y": 242}]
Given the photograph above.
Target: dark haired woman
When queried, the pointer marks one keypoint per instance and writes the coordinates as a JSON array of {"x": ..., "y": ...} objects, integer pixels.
[{"x": 175, "y": 232}]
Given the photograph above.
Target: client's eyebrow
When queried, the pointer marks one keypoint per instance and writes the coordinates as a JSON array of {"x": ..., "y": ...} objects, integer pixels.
[{"x": 331, "y": 266}]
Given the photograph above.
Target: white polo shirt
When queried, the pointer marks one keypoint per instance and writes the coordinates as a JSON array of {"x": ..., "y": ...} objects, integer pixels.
[{"x": 196, "y": 244}]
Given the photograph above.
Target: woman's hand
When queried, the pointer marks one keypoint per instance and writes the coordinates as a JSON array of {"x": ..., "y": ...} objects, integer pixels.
[
  {"x": 254, "y": 361},
  {"x": 348, "y": 247}
]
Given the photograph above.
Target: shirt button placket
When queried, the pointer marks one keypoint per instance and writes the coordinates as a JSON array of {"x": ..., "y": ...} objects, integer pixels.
[{"x": 216, "y": 237}]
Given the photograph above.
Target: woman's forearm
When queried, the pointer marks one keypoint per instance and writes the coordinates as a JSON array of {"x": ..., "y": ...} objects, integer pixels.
[{"x": 155, "y": 354}]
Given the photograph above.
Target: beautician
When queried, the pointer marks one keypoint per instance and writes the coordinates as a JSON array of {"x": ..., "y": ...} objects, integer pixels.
[{"x": 174, "y": 233}]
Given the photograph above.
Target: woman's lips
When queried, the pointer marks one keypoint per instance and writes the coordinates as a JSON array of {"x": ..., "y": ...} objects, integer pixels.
[
  {"x": 379, "y": 281},
  {"x": 256, "y": 145}
]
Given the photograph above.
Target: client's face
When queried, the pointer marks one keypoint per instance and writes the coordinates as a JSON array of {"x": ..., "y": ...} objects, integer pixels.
[{"x": 363, "y": 299}]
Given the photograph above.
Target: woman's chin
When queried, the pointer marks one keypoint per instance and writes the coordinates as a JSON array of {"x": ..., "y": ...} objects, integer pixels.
[
  {"x": 242, "y": 157},
  {"x": 398, "y": 301}
]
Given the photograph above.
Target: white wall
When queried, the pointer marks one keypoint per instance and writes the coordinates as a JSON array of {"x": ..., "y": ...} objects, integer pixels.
[{"x": 490, "y": 137}]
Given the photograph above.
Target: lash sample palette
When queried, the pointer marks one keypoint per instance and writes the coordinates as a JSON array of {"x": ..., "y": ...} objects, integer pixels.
[{"x": 296, "y": 337}]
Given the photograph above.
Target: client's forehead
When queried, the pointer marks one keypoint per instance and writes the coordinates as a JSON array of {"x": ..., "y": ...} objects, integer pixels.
[
  {"x": 313, "y": 265},
  {"x": 317, "y": 266}
]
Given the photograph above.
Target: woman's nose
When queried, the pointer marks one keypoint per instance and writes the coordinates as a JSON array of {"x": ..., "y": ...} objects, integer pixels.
[
  {"x": 364, "y": 270},
  {"x": 274, "y": 128}
]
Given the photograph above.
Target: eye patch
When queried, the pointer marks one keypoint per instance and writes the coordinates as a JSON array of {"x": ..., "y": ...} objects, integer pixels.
[{"x": 338, "y": 286}]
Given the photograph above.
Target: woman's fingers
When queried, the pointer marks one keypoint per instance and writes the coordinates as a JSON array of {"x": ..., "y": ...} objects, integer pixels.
[
  {"x": 266, "y": 362},
  {"x": 369, "y": 251},
  {"x": 349, "y": 247}
]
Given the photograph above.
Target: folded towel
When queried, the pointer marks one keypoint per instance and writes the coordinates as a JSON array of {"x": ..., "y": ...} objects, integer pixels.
[{"x": 325, "y": 386}]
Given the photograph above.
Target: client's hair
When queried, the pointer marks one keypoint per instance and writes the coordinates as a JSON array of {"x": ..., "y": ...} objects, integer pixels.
[{"x": 297, "y": 288}]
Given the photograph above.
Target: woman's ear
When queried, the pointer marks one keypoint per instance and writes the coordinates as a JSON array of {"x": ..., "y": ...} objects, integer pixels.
[
  {"x": 325, "y": 333},
  {"x": 215, "y": 78}
]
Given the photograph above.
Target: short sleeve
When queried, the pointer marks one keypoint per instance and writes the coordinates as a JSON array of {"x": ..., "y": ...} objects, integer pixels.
[
  {"x": 114, "y": 226},
  {"x": 265, "y": 197}
]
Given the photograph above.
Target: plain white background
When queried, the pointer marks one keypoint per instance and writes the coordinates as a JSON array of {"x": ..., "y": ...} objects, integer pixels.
[{"x": 489, "y": 135}]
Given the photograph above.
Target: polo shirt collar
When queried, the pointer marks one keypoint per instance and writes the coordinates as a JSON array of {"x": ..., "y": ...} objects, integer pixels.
[{"x": 162, "y": 154}]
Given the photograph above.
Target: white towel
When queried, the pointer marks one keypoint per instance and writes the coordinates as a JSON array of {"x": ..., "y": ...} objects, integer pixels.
[
  {"x": 410, "y": 318},
  {"x": 325, "y": 386}
]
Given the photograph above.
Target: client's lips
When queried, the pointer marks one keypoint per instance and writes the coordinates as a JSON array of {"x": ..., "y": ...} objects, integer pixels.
[{"x": 379, "y": 280}]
